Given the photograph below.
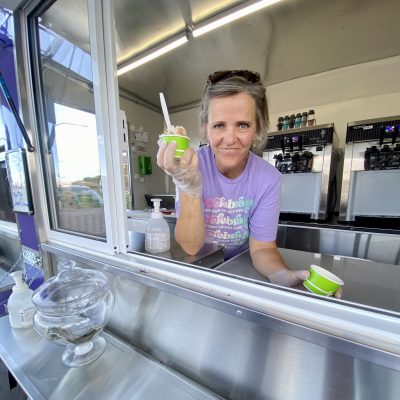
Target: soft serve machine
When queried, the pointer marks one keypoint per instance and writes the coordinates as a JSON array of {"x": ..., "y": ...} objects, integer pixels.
[
  {"x": 371, "y": 171},
  {"x": 307, "y": 158}
]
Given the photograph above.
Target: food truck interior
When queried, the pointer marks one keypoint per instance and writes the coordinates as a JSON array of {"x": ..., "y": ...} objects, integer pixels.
[{"x": 85, "y": 77}]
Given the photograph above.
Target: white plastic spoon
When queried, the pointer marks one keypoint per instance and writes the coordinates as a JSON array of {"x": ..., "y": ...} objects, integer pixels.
[{"x": 165, "y": 111}]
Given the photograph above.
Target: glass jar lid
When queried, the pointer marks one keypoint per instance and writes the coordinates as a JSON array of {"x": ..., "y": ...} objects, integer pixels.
[{"x": 71, "y": 291}]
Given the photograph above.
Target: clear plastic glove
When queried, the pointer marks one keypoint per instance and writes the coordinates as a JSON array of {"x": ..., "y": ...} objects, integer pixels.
[
  {"x": 289, "y": 278},
  {"x": 184, "y": 171}
]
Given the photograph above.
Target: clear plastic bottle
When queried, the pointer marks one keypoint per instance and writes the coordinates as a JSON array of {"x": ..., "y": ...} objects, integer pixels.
[
  {"x": 285, "y": 124},
  {"x": 311, "y": 118},
  {"x": 297, "y": 121},
  {"x": 19, "y": 305},
  {"x": 157, "y": 238},
  {"x": 304, "y": 119}
]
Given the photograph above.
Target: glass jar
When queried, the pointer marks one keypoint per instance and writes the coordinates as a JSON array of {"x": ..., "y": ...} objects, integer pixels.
[{"x": 72, "y": 309}]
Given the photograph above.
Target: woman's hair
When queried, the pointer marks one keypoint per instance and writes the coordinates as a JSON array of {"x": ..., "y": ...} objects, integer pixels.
[{"x": 233, "y": 85}]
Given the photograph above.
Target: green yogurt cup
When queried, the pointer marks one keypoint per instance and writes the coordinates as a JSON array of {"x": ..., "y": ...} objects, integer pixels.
[
  {"x": 322, "y": 282},
  {"x": 182, "y": 142}
]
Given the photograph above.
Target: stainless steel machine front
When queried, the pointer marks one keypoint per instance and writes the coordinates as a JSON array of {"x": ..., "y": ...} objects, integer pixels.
[
  {"x": 371, "y": 171},
  {"x": 307, "y": 158}
]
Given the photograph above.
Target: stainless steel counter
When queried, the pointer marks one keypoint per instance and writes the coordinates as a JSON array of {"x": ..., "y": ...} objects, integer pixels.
[
  {"x": 209, "y": 256},
  {"x": 122, "y": 372},
  {"x": 247, "y": 341},
  {"x": 331, "y": 237},
  {"x": 367, "y": 283}
]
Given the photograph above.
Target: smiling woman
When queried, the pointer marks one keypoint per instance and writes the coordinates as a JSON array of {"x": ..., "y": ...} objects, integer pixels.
[{"x": 233, "y": 112}]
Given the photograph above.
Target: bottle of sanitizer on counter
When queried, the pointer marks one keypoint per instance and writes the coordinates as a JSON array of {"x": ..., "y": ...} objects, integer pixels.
[
  {"x": 157, "y": 238},
  {"x": 19, "y": 305}
]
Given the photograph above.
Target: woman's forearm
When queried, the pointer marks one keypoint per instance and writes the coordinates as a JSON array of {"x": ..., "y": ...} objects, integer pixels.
[
  {"x": 268, "y": 261},
  {"x": 190, "y": 228}
]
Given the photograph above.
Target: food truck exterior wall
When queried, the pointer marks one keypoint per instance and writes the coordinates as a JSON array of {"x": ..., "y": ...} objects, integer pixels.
[{"x": 26, "y": 226}]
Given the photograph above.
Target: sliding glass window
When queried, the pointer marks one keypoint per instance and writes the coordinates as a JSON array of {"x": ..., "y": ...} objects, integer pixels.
[{"x": 66, "y": 108}]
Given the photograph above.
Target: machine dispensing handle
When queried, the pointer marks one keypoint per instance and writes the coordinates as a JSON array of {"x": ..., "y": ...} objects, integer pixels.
[
  {"x": 283, "y": 145},
  {"x": 395, "y": 133},
  {"x": 291, "y": 144},
  {"x": 300, "y": 143},
  {"x": 382, "y": 130}
]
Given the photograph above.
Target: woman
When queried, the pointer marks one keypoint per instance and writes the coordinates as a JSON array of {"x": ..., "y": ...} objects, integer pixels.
[{"x": 227, "y": 194}]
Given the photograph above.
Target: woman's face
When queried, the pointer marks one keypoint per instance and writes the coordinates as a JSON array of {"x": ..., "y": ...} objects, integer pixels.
[{"x": 231, "y": 129}]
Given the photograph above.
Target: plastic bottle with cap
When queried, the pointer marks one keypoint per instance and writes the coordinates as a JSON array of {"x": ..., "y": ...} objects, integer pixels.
[
  {"x": 157, "y": 237},
  {"x": 311, "y": 118},
  {"x": 19, "y": 305}
]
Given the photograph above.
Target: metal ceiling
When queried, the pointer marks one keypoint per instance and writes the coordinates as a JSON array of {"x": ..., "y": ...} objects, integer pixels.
[{"x": 291, "y": 39}]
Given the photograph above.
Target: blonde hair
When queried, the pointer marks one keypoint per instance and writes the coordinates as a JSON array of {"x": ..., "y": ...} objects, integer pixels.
[{"x": 229, "y": 87}]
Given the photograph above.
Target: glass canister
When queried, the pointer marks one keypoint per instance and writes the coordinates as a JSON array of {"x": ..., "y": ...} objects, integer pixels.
[{"x": 72, "y": 310}]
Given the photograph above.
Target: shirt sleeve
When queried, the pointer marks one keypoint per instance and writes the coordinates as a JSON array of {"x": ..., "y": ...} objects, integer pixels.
[{"x": 263, "y": 224}]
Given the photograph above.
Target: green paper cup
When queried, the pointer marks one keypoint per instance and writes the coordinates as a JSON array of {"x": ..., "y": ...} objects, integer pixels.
[
  {"x": 182, "y": 143},
  {"x": 322, "y": 282}
]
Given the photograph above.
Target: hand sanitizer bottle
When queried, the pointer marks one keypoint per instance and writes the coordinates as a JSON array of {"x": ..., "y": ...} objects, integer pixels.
[
  {"x": 19, "y": 305},
  {"x": 157, "y": 238}
]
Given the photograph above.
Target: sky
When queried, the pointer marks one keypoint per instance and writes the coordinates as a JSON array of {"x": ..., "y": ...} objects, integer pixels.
[{"x": 77, "y": 146}]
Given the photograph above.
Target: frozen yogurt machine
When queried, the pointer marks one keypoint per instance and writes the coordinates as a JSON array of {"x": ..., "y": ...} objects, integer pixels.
[
  {"x": 371, "y": 171},
  {"x": 307, "y": 158}
]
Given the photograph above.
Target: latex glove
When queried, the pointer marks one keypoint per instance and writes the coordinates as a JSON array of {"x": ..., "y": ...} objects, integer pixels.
[
  {"x": 289, "y": 278},
  {"x": 184, "y": 171}
]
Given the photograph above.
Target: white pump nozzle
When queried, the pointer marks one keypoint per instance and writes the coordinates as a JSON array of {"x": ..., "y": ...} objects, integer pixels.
[
  {"x": 156, "y": 212},
  {"x": 156, "y": 205},
  {"x": 19, "y": 283}
]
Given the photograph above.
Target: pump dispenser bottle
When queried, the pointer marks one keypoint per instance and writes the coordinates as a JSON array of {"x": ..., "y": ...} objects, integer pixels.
[
  {"x": 157, "y": 238},
  {"x": 19, "y": 305}
]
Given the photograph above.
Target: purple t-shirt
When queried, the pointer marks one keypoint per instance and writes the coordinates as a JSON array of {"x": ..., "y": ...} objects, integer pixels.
[{"x": 236, "y": 208}]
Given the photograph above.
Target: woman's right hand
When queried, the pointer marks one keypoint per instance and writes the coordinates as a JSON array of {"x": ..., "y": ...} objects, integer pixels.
[{"x": 184, "y": 171}]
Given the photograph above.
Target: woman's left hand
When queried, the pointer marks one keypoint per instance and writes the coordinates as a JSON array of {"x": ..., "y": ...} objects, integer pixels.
[{"x": 289, "y": 278}]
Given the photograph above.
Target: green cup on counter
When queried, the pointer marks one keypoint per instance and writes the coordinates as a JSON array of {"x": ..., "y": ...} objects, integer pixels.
[
  {"x": 322, "y": 282},
  {"x": 182, "y": 142}
]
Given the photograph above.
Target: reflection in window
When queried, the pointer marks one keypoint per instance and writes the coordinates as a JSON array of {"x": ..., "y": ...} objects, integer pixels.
[
  {"x": 54, "y": 47},
  {"x": 71, "y": 145},
  {"x": 77, "y": 169}
]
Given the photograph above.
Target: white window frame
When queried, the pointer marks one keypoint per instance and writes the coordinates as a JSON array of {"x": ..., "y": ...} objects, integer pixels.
[{"x": 106, "y": 98}]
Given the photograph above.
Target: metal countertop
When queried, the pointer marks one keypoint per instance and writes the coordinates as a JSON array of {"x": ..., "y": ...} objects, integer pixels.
[
  {"x": 121, "y": 372},
  {"x": 209, "y": 256},
  {"x": 367, "y": 283}
]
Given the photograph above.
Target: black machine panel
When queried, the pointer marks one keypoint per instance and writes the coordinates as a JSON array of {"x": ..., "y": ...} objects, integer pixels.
[
  {"x": 383, "y": 129},
  {"x": 300, "y": 137},
  {"x": 294, "y": 157},
  {"x": 382, "y": 155}
]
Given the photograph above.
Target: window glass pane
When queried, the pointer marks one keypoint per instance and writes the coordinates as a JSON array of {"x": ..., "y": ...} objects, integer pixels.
[{"x": 71, "y": 140}]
